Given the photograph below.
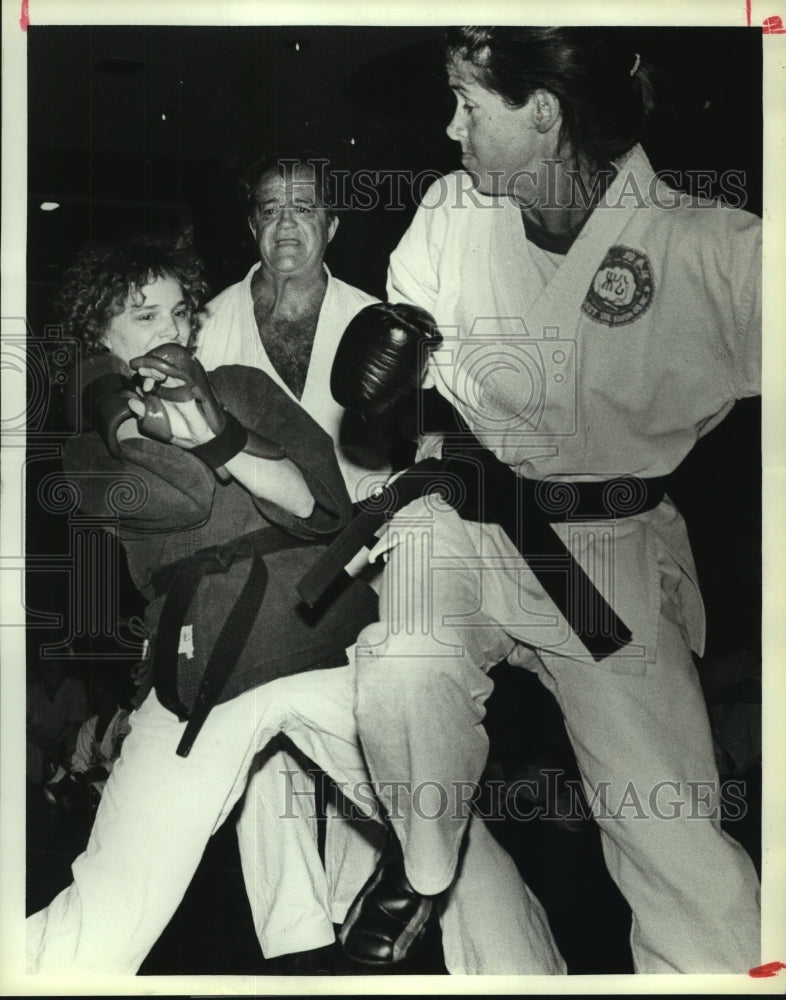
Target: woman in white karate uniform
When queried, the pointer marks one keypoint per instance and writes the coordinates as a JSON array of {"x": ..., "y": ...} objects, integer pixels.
[{"x": 595, "y": 324}]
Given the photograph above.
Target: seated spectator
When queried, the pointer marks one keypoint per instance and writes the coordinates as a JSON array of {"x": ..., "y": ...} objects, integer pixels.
[
  {"x": 56, "y": 707},
  {"x": 98, "y": 744}
]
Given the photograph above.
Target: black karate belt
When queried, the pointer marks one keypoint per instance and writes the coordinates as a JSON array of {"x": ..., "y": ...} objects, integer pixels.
[
  {"x": 481, "y": 488},
  {"x": 179, "y": 582}
]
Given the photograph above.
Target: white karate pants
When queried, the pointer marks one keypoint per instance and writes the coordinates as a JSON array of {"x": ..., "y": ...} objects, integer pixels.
[
  {"x": 158, "y": 811},
  {"x": 450, "y": 608}
]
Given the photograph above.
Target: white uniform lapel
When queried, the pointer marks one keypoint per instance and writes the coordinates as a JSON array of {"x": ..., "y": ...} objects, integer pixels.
[
  {"x": 558, "y": 302},
  {"x": 515, "y": 282},
  {"x": 322, "y": 351}
]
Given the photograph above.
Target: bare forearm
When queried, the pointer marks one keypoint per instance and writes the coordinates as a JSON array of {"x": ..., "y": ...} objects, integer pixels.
[{"x": 279, "y": 481}]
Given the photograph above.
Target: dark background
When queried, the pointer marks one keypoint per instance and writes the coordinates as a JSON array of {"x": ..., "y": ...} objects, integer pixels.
[
  {"x": 372, "y": 98},
  {"x": 135, "y": 128}
]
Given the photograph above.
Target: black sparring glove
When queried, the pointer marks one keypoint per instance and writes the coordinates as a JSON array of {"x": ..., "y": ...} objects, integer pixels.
[
  {"x": 96, "y": 397},
  {"x": 176, "y": 361},
  {"x": 382, "y": 355}
]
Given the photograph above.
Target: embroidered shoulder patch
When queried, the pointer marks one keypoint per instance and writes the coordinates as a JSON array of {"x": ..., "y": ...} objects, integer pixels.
[{"x": 622, "y": 288}]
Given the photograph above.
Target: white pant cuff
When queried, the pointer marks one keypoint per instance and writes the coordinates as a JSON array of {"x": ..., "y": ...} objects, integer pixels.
[{"x": 303, "y": 939}]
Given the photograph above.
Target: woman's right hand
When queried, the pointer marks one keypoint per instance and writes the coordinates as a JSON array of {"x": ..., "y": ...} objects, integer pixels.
[
  {"x": 189, "y": 414},
  {"x": 187, "y": 424}
]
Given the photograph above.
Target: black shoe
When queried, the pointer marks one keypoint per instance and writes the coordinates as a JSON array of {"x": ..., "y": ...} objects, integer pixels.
[{"x": 387, "y": 916}]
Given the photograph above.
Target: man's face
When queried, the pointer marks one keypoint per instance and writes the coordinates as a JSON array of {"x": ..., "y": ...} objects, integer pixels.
[{"x": 290, "y": 224}]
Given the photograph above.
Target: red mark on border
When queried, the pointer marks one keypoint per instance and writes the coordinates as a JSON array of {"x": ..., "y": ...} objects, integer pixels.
[
  {"x": 772, "y": 26},
  {"x": 748, "y": 12},
  {"x": 766, "y": 971},
  {"x": 24, "y": 19}
]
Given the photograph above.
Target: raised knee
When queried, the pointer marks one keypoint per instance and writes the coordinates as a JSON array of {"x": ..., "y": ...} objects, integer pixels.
[{"x": 392, "y": 685}]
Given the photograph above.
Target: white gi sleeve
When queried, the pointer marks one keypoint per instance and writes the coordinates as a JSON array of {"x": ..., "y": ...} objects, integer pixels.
[
  {"x": 738, "y": 259},
  {"x": 413, "y": 272},
  {"x": 750, "y": 339}
]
